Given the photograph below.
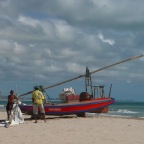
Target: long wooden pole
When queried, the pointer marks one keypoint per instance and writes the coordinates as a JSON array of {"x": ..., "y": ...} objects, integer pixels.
[
  {"x": 132, "y": 58},
  {"x": 95, "y": 71}
]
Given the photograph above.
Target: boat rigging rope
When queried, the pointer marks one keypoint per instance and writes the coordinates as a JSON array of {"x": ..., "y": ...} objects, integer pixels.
[{"x": 95, "y": 71}]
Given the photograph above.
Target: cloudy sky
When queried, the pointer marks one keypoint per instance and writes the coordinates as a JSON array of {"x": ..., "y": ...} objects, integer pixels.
[{"x": 49, "y": 41}]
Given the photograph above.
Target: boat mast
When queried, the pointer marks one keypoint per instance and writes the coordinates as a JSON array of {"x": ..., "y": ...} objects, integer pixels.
[{"x": 88, "y": 82}]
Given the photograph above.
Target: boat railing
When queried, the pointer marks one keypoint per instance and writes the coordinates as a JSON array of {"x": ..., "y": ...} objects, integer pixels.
[{"x": 99, "y": 92}]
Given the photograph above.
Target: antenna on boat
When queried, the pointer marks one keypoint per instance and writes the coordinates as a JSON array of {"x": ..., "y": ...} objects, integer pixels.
[
  {"x": 16, "y": 90},
  {"x": 95, "y": 71}
]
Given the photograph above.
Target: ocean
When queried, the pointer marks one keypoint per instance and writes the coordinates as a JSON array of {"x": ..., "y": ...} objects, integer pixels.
[
  {"x": 127, "y": 109},
  {"x": 118, "y": 109}
]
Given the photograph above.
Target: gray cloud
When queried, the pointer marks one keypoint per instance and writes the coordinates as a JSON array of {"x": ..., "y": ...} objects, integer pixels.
[{"x": 55, "y": 40}]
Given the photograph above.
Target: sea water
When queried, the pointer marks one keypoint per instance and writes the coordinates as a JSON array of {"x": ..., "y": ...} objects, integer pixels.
[
  {"x": 118, "y": 109},
  {"x": 127, "y": 109}
]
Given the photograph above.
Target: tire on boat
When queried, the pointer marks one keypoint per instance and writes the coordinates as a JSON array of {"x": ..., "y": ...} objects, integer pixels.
[{"x": 81, "y": 114}]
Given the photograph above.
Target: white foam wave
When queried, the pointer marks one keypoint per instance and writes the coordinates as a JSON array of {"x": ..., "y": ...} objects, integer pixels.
[
  {"x": 115, "y": 115},
  {"x": 126, "y": 111},
  {"x": 1, "y": 105},
  {"x": 90, "y": 114}
]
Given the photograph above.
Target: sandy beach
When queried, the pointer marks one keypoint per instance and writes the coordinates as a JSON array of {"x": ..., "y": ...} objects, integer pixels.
[{"x": 74, "y": 130}]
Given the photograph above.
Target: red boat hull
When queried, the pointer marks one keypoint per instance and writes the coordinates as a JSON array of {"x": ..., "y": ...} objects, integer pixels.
[{"x": 95, "y": 105}]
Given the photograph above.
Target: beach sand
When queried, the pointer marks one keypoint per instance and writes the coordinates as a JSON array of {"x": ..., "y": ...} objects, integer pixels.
[{"x": 74, "y": 130}]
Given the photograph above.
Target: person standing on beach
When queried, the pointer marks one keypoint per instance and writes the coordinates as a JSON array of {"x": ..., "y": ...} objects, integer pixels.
[
  {"x": 37, "y": 99},
  {"x": 10, "y": 103}
]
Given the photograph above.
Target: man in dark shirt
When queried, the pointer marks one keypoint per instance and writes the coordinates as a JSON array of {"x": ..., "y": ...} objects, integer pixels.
[{"x": 10, "y": 103}]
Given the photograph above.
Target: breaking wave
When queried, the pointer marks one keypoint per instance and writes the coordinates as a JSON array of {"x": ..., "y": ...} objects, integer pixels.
[
  {"x": 1, "y": 105},
  {"x": 126, "y": 111}
]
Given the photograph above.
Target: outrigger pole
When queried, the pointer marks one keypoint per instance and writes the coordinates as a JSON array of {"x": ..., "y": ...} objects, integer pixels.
[{"x": 80, "y": 76}]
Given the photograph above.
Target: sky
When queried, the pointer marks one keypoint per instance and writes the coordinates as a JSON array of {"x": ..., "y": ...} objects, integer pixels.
[{"x": 43, "y": 42}]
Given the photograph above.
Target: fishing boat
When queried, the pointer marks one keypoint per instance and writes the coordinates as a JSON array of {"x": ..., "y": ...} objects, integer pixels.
[
  {"x": 92, "y": 100},
  {"x": 78, "y": 108},
  {"x": 74, "y": 104}
]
